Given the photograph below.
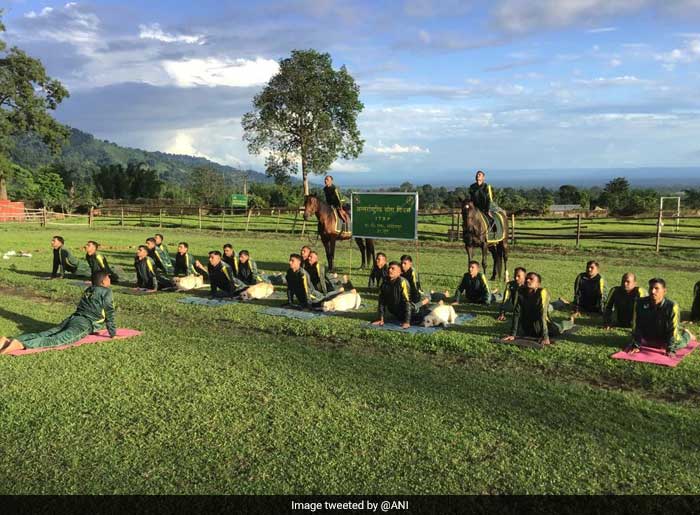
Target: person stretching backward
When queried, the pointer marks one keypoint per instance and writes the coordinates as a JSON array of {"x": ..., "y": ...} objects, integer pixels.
[
  {"x": 656, "y": 321},
  {"x": 95, "y": 311},
  {"x": 619, "y": 307},
  {"x": 531, "y": 313}
]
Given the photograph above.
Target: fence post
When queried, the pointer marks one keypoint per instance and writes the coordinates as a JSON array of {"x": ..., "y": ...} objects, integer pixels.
[
  {"x": 182, "y": 215},
  {"x": 43, "y": 216},
  {"x": 90, "y": 215},
  {"x": 199, "y": 212},
  {"x": 303, "y": 227},
  {"x": 294, "y": 225},
  {"x": 512, "y": 228},
  {"x": 141, "y": 216},
  {"x": 160, "y": 218},
  {"x": 121, "y": 220},
  {"x": 659, "y": 223},
  {"x": 578, "y": 230},
  {"x": 247, "y": 222},
  {"x": 223, "y": 219},
  {"x": 279, "y": 214}
]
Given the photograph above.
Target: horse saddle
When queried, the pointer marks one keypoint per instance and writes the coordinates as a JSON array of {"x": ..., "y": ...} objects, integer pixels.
[
  {"x": 339, "y": 224},
  {"x": 495, "y": 224}
]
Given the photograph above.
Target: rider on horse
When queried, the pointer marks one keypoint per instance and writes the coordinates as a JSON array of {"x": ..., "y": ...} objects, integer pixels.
[
  {"x": 481, "y": 195},
  {"x": 333, "y": 199}
]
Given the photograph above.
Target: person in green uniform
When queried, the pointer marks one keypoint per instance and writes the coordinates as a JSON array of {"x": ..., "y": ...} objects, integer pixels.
[
  {"x": 329, "y": 285},
  {"x": 380, "y": 271},
  {"x": 657, "y": 322},
  {"x": 163, "y": 254},
  {"x": 97, "y": 262},
  {"x": 418, "y": 298},
  {"x": 481, "y": 195},
  {"x": 619, "y": 307},
  {"x": 304, "y": 253},
  {"x": 95, "y": 311},
  {"x": 589, "y": 290},
  {"x": 64, "y": 262},
  {"x": 531, "y": 313},
  {"x": 395, "y": 300},
  {"x": 184, "y": 262},
  {"x": 148, "y": 276},
  {"x": 695, "y": 310},
  {"x": 474, "y": 288},
  {"x": 229, "y": 258},
  {"x": 511, "y": 291},
  {"x": 222, "y": 281},
  {"x": 156, "y": 256},
  {"x": 300, "y": 291},
  {"x": 333, "y": 199},
  {"x": 248, "y": 270}
]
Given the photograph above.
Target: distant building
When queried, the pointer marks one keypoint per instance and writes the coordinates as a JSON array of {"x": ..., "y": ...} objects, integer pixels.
[{"x": 565, "y": 209}]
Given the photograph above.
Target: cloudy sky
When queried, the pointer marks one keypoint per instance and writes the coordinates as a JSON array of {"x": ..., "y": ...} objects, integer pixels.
[{"x": 448, "y": 86}]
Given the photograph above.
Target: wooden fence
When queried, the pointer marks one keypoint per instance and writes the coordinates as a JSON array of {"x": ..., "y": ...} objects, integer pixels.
[{"x": 436, "y": 225}]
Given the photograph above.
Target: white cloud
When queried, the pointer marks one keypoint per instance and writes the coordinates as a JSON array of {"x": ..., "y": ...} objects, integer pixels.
[
  {"x": 349, "y": 167},
  {"x": 623, "y": 80},
  {"x": 689, "y": 53},
  {"x": 153, "y": 31},
  {"x": 520, "y": 16},
  {"x": 614, "y": 63},
  {"x": 400, "y": 149},
  {"x": 221, "y": 72},
  {"x": 602, "y": 29}
]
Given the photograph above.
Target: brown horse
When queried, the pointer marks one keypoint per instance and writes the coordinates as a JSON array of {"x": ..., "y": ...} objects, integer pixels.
[
  {"x": 326, "y": 230},
  {"x": 474, "y": 234}
]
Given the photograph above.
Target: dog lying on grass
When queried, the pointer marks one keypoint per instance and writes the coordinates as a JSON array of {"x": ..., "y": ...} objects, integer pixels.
[
  {"x": 257, "y": 291},
  {"x": 443, "y": 315}
]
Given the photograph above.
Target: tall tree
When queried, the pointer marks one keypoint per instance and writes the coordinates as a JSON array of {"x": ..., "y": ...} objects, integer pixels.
[
  {"x": 305, "y": 117},
  {"x": 206, "y": 186},
  {"x": 27, "y": 93}
]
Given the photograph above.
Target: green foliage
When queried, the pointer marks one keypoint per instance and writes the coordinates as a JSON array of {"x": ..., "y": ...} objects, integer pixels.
[
  {"x": 135, "y": 181},
  {"x": 306, "y": 116},
  {"x": 207, "y": 187},
  {"x": 568, "y": 194},
  {"x": 692, "y": 198},
  {"x": 50, "y": 189},
  {"x": 27, "y": 93}
]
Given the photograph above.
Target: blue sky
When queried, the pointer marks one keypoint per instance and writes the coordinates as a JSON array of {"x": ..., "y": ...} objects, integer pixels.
[{"x": 449, "y": 87}]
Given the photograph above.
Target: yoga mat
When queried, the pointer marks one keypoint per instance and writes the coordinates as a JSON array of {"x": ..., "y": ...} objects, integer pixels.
[
  {"x": 100, "y": 336},
  {"x": 204, "y": 301},
  {"x": 130, "y": 291},
  {"x": 419, "y": 329},
  {"x": 293, "y": 313},
  {"x": 656, "y": 355}
]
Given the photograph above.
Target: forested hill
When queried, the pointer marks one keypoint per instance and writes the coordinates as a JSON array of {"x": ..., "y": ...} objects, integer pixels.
[{"x": 84, "y": 153}]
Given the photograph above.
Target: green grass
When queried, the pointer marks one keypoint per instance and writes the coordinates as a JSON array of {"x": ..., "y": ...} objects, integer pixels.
[{"x": 228, "y": 400}]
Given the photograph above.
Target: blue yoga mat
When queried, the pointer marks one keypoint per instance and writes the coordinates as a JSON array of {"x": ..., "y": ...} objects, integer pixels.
[
  {"x": 292, "y": 313},
  {"x": 203, "y": 301},
  {"x": 419, "y": 329}
]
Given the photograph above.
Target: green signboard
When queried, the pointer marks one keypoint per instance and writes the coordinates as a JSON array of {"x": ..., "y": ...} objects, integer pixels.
[
  {"x": 386, "y": 216},
  {"x": 238, "y": 200}
]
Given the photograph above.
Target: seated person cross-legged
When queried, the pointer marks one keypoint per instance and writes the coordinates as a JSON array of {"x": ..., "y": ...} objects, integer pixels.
[
  {"x": 95, "y": 311},
  {"x": 531, "y": 313},
  {"x": 656, "y": 322},
  {"x": 395, "y": 300}
]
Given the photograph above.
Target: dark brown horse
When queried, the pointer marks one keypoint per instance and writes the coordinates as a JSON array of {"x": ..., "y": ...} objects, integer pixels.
[
  {"x": 474, "y": 234},
  {"x": 326, "y": 230}
]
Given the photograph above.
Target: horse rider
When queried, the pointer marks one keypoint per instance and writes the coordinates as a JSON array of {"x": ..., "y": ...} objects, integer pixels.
[
  {"x": 333, "y": 199},
  {"x": 481, "y": 196}
]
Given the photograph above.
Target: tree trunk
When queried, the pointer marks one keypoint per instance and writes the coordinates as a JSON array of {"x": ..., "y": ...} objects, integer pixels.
[
  {"x": 3, "y": 188},
  {"x": 304, "y": 173}
]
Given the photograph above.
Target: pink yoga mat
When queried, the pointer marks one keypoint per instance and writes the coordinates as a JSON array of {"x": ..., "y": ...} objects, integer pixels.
[
  {"x": 100, "y": 336},
  {"x": 656, "y": 355}
]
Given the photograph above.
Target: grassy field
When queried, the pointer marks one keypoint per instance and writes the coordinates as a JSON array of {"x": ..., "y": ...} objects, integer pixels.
[{"x": 229, "y": 400}]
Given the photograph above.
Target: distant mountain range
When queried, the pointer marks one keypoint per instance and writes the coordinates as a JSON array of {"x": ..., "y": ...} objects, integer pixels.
[
  {"x": 83, "y": 152},
  {"x": 666, "y": 178}
]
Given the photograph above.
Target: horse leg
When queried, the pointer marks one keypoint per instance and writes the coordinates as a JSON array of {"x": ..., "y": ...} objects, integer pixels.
[
  {"x": 504, "y": 257},
  {"x": 361, "y": 245},
  {"x": 484, "y": 253},
  {"x": 331, "y": 251},
  {"x": 329, "y": 254},
  {"x": 496, "y": 270},
  {"x": 369, "y": 245}
]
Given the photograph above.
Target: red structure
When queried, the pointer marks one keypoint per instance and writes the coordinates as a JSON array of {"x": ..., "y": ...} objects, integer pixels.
[{"x": 11, "y": 211}]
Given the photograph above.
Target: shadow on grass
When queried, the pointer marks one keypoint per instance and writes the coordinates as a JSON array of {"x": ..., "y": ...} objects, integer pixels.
[{"x": 24, "y": 323}]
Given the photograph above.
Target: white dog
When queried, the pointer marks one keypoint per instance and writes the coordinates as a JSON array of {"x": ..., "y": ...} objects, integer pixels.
[
  {"x": 189, "y": 282},
  {"x": 441, "y": 315},
  {"x": 257, "y": 291},
  {"x": 343, "y": 302}
]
